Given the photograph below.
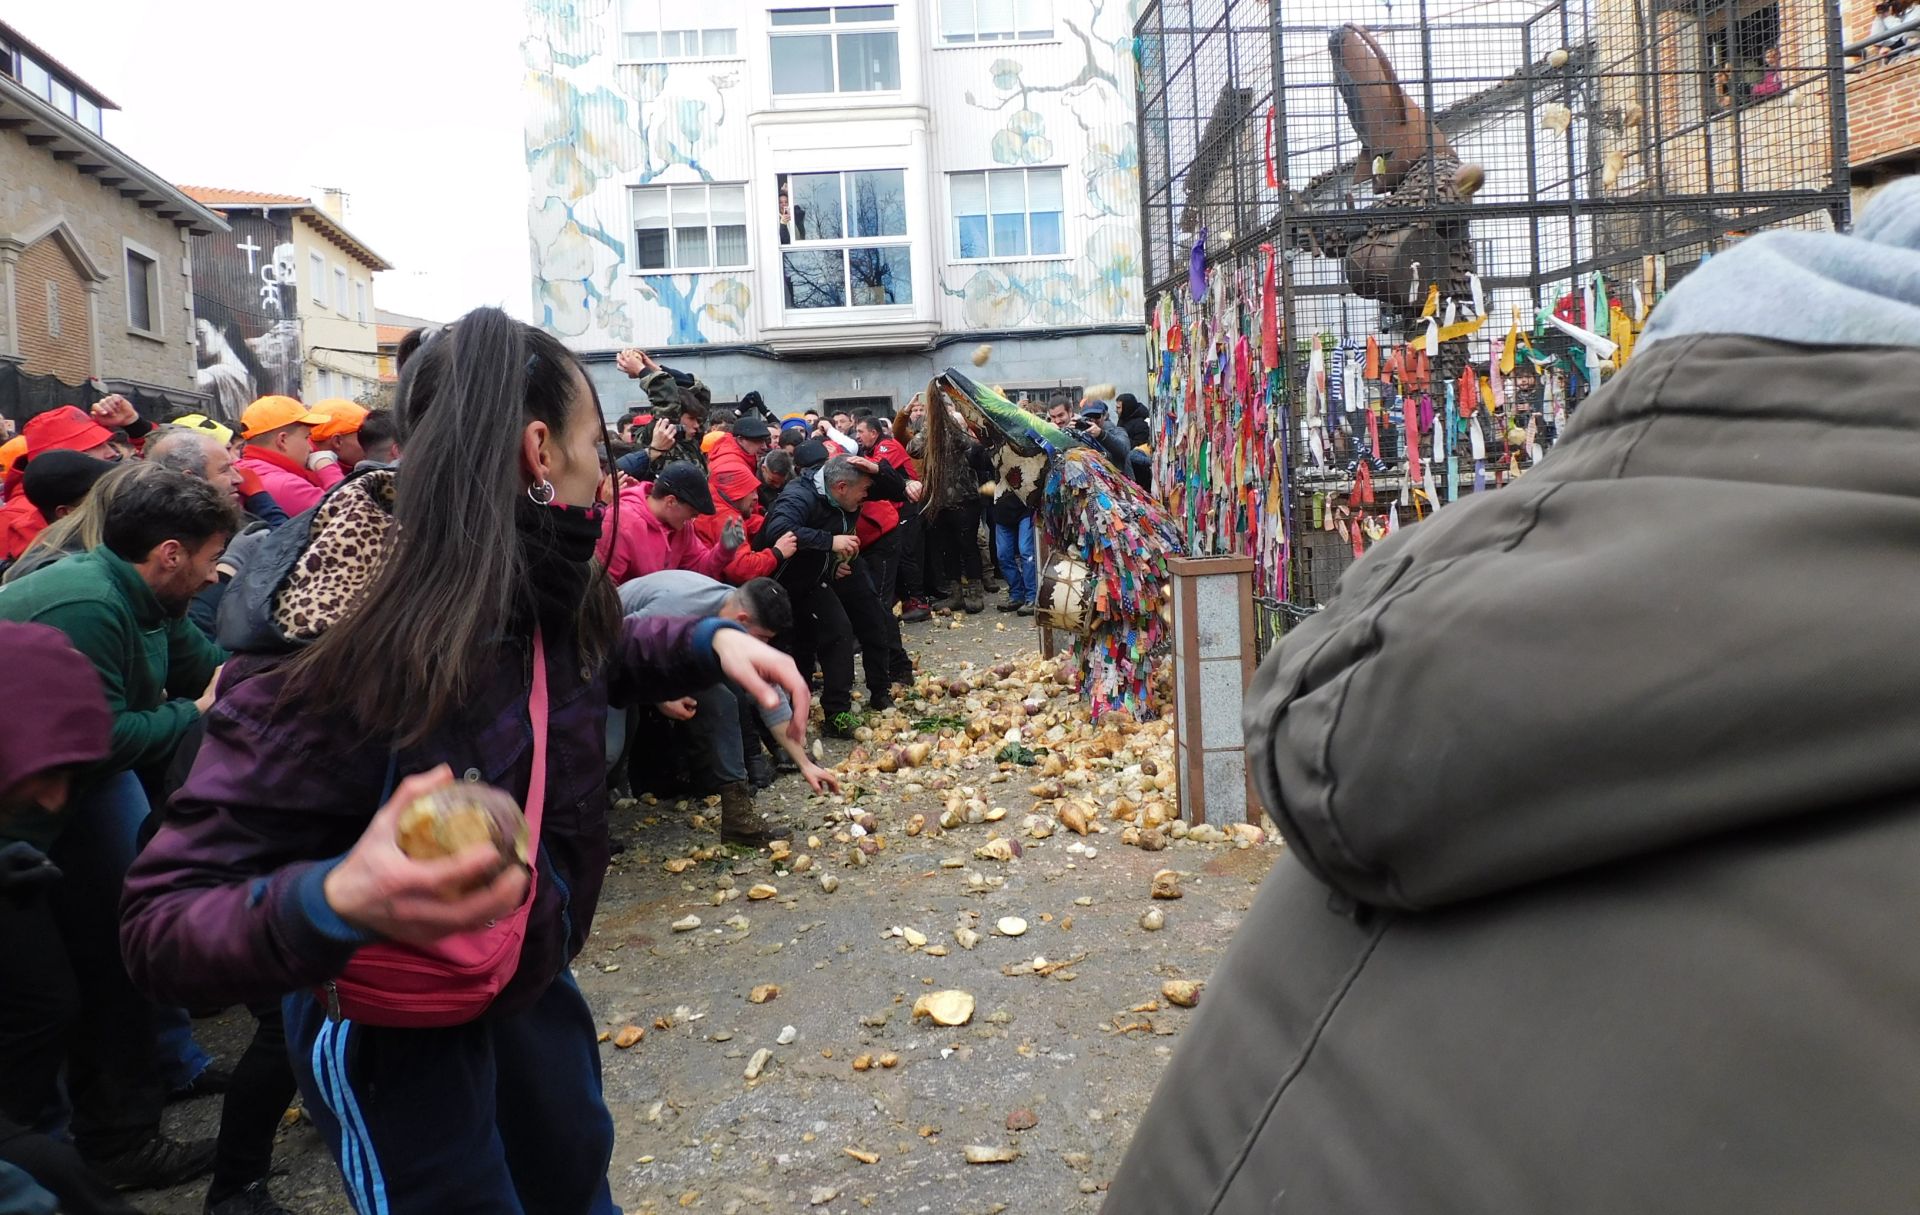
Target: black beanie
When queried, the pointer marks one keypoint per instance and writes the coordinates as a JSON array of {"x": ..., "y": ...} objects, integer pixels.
[
  {"x": 810, "y": 455},
  {"x": 61, "y": 478}
]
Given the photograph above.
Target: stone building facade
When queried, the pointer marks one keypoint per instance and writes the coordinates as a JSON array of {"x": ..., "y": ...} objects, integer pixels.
[{"x": 94, "y": 273}]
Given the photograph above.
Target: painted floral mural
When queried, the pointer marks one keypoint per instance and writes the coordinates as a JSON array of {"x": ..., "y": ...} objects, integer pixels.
[
  {"x": 593, "y": 129},
  {"x": 1102, "y": 286},
  {"x": 597, "y": 127}
]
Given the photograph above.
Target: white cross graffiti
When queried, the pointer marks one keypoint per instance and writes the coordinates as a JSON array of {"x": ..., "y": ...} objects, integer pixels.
[{"x": 249, "y": 248}]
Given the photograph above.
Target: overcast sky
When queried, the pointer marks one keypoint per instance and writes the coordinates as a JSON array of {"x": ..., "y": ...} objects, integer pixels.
[{"x": 413, "y": 108}]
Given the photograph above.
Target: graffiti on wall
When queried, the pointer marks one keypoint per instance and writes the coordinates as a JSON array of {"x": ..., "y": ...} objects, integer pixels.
[{"x": 246, "y": 312}]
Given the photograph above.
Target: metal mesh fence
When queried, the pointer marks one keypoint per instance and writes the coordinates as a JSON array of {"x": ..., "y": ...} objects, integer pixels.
[{"x": 1398, "y": 166}]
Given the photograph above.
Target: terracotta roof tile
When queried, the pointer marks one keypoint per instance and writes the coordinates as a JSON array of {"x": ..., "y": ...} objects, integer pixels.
[{"x": 213, "y": 196}]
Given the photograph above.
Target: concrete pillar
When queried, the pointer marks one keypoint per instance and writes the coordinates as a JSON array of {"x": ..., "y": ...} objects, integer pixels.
[
  {"x": 94, "y": 291},
  {"x": 10, "y": 258},
  {"x": 1213, "y": 661}
]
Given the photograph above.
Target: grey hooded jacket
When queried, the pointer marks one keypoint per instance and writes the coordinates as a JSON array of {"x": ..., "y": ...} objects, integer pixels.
[{"x": 1602, "y": 803}]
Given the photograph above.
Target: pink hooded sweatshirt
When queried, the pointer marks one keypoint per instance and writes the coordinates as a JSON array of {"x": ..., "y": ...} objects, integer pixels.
[
  {"x": 642, "y": 545},
  {"x": 297, "y": 489}
]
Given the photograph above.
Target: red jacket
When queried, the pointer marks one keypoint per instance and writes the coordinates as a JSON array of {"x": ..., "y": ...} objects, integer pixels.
[
  {"x": 875, "y": 521},
  {"x": 747, "y": 562},
  {"x": 731, "y": 478},
  {"x": 730, "y": 473},
  {"x": 878, "y": 518},
  {"x": 889, "y": 451},
  {"x": 20, "y": 522}
]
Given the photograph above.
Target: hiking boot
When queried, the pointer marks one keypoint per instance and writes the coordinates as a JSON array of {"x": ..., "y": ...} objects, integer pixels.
[
  {"x": 158, "y": 1163},
  {"x": 760, "y": 771},
  {"x": 945, "y": 600},
  {"x": 1026, "y": 609},
  {"x": 256, "y": 1199},
  {"x": 1009, "y": 604},
  {"x": 914, "y": 610},
  {"x": 840, "y": 725},
  {"x": 212, "y": 1079},
  {"x": 741, "y": 823},
  {"x": 879, "y": 702},
  {"x": 971, "y": 599}
]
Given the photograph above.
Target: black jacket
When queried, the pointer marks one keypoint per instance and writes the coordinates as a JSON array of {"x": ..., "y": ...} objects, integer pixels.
[
  {"x": 804, "y": 508},
  {"x": 1110, "y": 440},
  {"x": 1602, "y": 811}
]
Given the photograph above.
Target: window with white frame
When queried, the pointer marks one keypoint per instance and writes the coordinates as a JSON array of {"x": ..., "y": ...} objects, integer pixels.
[
  {"x": 340, "y": 291},
  {"x": 360, "y": 302},
  {"x": 835, "y": 50},
  {"x": 317, "y": 279},
  {"x": 53, "y": 309},
  {"x": 659, "y": 31},
  {"x": 963, "y": 22},
  {"x": 143, "y": 292},
  {"x": 833, "y": 232},
  {"x": 325, "y": 380},
  {"x": 1005, "y": 213},
  {"x": 688, "y": 228}
]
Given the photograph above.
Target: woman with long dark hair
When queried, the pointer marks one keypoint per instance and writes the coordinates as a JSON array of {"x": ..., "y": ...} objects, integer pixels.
[{"x": 442, "y": 621}]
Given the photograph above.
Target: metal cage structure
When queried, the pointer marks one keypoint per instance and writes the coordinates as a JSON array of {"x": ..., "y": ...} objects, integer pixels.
[{"x": 1362, "y": 172}]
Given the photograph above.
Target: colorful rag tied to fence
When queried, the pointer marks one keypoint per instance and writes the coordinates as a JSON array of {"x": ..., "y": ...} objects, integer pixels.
[
  {"x": 1261, "y": 441},
  {"x": 1220, "y": 417}
]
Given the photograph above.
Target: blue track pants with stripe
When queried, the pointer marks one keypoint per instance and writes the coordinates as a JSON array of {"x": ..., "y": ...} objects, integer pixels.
[{"x": 503, "y": 1116}]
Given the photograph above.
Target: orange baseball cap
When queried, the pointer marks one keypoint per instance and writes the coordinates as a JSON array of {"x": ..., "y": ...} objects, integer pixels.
[
  {"x": 12, "y": 450},
  {"x": 343, "y": 418},
  {"x": 271, "y": 413}
]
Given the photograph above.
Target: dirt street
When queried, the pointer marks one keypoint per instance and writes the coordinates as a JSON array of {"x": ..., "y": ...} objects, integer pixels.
[{"x": 859, "y": 1106}]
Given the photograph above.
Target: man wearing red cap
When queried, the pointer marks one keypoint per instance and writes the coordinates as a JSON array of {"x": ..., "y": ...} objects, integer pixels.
[
  {"x": 279, "y": 435},
  {"x": 64, "y": 429},
  {"x": 735, "y": 488}
]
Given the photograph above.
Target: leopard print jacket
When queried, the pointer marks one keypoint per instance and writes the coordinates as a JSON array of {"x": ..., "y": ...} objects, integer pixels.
[{"x": 347, "y": 545}]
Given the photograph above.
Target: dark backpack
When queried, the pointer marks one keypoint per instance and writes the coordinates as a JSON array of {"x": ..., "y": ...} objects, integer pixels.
[{"x": 245, "y": 624}]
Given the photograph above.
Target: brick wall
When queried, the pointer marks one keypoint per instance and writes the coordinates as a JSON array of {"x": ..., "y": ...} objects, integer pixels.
[
  {"x": 1883, "y": 111},
  {"x": 54, "y": 339},
  {"x": 1768, "y": 144},
  {"x": 36, "y": 189}
]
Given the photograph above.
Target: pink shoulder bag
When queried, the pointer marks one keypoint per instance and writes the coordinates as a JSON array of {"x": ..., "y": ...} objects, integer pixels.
[{"x": 455, "y": 979}]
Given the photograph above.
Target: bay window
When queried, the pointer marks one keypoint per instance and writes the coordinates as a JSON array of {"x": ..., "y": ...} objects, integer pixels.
[{"x": 844, "y": 239}]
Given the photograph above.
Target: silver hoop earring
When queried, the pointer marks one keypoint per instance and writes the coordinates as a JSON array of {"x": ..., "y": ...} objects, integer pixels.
[{"x": 542, "y": 494}]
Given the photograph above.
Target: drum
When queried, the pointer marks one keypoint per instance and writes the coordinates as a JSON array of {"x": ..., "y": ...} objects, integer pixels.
[{"x": 1062, "y": 602}]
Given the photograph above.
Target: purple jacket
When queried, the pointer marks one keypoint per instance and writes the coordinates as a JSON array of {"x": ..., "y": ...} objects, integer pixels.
[{"x": 226, "y": 905}]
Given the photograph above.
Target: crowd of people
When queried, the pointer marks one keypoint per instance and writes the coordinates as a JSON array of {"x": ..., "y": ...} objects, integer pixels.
[{"x": 253, "y": 644}]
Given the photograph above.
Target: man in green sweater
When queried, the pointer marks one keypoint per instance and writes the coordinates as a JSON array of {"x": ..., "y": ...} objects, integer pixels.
[{"x": 123, "y": 606}]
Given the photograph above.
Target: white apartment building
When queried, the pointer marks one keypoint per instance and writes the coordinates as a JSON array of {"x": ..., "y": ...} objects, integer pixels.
[{"x": 832, "y": 202}]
